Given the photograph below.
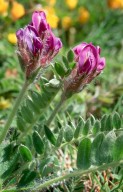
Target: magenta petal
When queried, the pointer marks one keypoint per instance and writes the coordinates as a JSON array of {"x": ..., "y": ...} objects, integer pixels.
[
  {"x": 101, "y": 64},
  {"x": 37, "y": 45},
  {"x": 32, "y": 30},
  {"x": 19, "y": 34},
  {"x": 37, "y": 18},
  {"x": 36, "y": 42},
  {"x": 79, "y": 48},
  {"x": 43, "y": 26},
  {"x": 29, "y": 43},
  {"x": 98, "y": 50}
]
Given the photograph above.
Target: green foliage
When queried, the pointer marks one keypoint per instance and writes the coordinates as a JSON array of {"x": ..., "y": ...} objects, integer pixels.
[
  {"x": 60, "y": 69},
  {"x": 86, "y": 127},
  {"x": 34, "y": 154},
  {"x": 38, "y": 143},
  {"x": 84, "y": 154},
  {"x": 25, "y": 153},
  {"x": 79, "y": 127},
  {"x": 116, "y": 120},
  {"x": 59, "y": 138},
  {"x": 117, "y": 151},
  {"x": 95, "y": 149},
  {"x": 70, "y": 55},
  {"x": 50, "y": 136},
  {"x": 28, "y": 176},
  {"x": 96, "y": 127},
  {"x": 68, "y": 133}
]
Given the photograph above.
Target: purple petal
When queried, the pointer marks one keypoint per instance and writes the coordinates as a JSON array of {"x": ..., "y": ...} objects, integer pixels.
[
  {"x": 98, "y": 50},
  {"x": 37, "y": 45},
  {"x": 39, "y": 21},
  {"x": 101, "y": 64},
  {"x": 43, "y": 26},
  {"x": 32, "y": 31},
  {"x": 19, "y": 34}
]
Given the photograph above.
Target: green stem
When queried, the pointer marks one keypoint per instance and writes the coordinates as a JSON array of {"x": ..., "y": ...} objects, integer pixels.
[
  {"x": 29, "y": 128},
  {"x": 77, "y": 173},
  {"x": 67, "y": 176},
  {"x": 89, "y": 135},
  {"x": 13, "y": 112},
  {"x": 56, "y": 109}
]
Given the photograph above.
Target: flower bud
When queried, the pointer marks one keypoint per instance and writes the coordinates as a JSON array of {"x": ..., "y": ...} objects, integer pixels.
[
  {"x": 37, "y": 45},
  {"x": 89, "y": 64}
]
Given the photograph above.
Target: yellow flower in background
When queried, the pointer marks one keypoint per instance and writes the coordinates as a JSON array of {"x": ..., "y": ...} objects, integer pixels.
[
  {"x": 12, "y": 38},
  {"x": 17, "y": 10},
  {"x": 4, "y": 103},
  {"x": 66, "y": 22},
  {"x": 51, "y": 2},
  {"x": 115, "y": 4},
  {"x": 52, "y": 18},
  {"x": 3, "y": 7},
  {"x": 71, "y": 3},
  {"x": 84, "y": 15}
]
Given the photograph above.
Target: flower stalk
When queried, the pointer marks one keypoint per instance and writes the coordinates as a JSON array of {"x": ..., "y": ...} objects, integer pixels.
[
  {"x": 13, "y": 112},
  {"x": 58, "y": 106}
]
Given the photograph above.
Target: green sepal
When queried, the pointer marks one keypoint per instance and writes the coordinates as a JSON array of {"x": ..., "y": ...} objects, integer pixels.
[
  {"x": 65, "y": 61},
  {"x": 60, "y": 69},
  {"x": 70, "y": 55}
]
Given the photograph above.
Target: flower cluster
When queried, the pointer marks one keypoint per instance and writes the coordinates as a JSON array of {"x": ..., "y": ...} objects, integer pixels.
[
  {"x": 37, "y": 45},
  {"x": 89, "y": 64}
]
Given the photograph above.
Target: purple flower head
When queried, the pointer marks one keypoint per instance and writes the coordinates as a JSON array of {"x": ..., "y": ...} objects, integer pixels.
[
  {"x": 37, "y": 45},
  {"x": 89, "y": 64}
]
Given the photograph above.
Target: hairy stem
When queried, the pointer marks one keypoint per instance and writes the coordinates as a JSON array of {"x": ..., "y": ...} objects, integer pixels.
[
  {"x": 67, "y": 176},
  {"x": 37, "y": 116},
  {"x": 77, "y": 173},
  {"x": 63, "y": 98},
  {"x": 13, "y": 112}
]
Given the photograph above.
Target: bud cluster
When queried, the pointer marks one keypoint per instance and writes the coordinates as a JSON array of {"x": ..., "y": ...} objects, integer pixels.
[
  {"x": 37, "y": 45},
  {"x": 88, "y": 65}
]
